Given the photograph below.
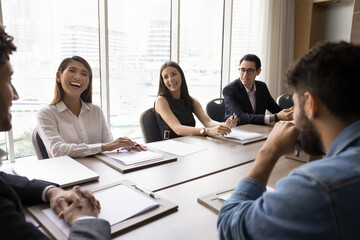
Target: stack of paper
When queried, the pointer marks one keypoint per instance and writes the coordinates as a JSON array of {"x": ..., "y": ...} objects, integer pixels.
[
  {"x": 242, "y": 135},
  {"x": 133, "y": 157}
]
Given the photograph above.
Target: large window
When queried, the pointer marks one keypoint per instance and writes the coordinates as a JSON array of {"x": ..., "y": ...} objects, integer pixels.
[
  {"x": 139, "y": 43},
  {"x": 45, "y": 32},
  {"x": 201, "y": 46},
  {"x": 245, "y": 32}
]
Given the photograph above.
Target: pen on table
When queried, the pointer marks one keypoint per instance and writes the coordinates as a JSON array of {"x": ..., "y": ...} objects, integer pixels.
[{"x": 151, "y": 194}]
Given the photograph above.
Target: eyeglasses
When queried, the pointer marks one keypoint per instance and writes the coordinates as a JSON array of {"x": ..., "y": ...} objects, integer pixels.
[{"x": 249, "y": 71}]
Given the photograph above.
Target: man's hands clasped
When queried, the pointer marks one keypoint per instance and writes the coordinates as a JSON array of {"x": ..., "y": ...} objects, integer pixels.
[{"x": 73, "y": 204}]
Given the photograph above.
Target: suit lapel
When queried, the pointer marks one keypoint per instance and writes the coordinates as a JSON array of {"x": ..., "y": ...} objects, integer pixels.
[
  {"x": 7, "y": 192},
  {"x": 244, "y": 98},
  {"x": 259, "y": 96}
]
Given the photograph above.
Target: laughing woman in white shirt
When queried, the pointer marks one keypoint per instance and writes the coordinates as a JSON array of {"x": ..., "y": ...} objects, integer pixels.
[{"x": 71, "y": 125}]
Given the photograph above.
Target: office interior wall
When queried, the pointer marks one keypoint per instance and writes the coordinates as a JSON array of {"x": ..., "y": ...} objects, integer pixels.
[
  {"x": 336, "y": 21},
  {"x": 355, "y": 31}
]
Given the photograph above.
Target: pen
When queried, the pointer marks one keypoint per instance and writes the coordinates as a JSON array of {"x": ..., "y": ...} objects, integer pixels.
[
  {"x": 233, "y": 116},
  {"x": 297, "y": 149},
  {"x": 151, "y": 194},
  {"x": 122, "y": 149},
  {"x": 125, "y": 148}
]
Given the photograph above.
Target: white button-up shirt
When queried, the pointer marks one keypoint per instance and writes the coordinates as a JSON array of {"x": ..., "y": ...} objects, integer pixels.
[
  {"x": 63, "y": 133},
  {"x": 252, "y": 98}
]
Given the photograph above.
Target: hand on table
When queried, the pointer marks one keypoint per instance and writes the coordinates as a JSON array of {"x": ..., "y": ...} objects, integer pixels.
[{"x": 81, "y": 207}]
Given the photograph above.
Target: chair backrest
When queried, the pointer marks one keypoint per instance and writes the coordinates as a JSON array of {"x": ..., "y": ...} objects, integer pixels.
[
  {"x": 39, "y": 146},
  {"x": 285, "y": 101},
  {"x": 216, "y": 109},
  {"x": 149, "y": 126}
]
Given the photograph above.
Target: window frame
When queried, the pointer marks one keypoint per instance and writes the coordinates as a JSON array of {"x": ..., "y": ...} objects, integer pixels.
[{"x": 174, "y": 53}]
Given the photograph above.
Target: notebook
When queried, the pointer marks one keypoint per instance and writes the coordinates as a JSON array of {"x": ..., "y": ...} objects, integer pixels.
[
  {"x": 133, "y": 157},
  {"x": 243, "y": 135},
  {"x": 64, "y": 171}
]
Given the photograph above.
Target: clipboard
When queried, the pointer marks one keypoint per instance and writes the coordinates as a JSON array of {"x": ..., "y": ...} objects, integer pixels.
[
  {"x": 128, "y": 168},
  {"x": 242, "y": 142},
  {"x": 165, "y": 207},
  {"x": 212, "y": 201}
]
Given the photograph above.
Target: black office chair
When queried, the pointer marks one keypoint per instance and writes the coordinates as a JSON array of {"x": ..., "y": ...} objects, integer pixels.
[
  {"x": 216, "y": 109},
  {"x": 149, "y": 126},
  {"x": 39, "y": 146},
  {"x": 285, "y": 101}
]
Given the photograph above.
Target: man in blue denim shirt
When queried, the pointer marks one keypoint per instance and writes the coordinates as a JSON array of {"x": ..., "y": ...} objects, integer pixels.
[{"x": 321, "y": 199}]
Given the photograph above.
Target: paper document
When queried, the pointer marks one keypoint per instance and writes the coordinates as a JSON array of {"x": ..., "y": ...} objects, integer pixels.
[
  {"x": 175, "y": 147},
  {"x": 118, "y": 203},
  {"x": 132, "y": 157},
  {"x": 242, "y": 135},
  {"x": 227, "y": 196},
  {"x": 64, "y": 171}
]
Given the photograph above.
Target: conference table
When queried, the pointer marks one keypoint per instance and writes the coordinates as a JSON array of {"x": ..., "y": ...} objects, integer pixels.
[
  {"x": 220, "y": 167},
  {"x": 219, "y": 155},
  {"x": 193, "y": 220}
]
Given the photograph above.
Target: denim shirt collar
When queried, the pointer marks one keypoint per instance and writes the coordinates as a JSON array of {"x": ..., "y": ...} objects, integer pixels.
[{"x": 345, "y": 138}]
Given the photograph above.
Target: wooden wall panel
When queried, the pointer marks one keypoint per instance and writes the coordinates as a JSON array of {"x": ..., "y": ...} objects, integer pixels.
[
  {"x": 355, "y": 29},
  {"x": 303, "y": 13}
]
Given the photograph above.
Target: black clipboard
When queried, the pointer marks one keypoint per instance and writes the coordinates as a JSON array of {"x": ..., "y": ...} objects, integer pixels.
[
  {"x": 165, "y": 207},
  {"x": 128, "y": 168},
  {"x": 212, "y": 201}
]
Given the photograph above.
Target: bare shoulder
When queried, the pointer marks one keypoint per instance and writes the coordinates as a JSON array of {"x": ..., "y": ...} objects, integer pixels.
[
  {"x": 160, "y": 100},
  {"x": 160, "y": 103},
  {"x": 196, "y": 103}
]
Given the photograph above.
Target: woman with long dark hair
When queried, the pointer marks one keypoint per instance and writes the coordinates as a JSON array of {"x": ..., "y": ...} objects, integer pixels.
[{"x": 174, "y": 107}]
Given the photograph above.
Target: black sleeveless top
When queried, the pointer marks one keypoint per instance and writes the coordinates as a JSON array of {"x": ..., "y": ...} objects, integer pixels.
[{"x": 184, "y": 114}]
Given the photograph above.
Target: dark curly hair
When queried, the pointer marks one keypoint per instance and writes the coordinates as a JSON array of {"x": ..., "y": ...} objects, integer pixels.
[
  {"x": 6, "y": 45},
  {"x": 330, "y": 71}
]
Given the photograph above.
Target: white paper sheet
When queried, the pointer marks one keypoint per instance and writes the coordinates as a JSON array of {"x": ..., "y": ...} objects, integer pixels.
[
  {"x": 177, "y": 148},
  {"x": 132, "y": 157},
  {"x": 242, "y": 135},
  {"x": 118, "y": 203}
]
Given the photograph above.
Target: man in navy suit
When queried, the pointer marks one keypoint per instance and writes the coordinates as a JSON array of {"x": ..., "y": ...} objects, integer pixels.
[
  {"x": 78, "y": 208},
  {"x": 249, "y": 99}
]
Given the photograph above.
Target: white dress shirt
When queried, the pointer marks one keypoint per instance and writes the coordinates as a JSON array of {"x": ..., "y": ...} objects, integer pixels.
[
  {"x": 252, "y": 98},
  {"x": 63, "y": 133}
]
